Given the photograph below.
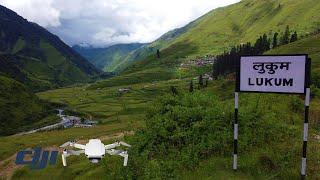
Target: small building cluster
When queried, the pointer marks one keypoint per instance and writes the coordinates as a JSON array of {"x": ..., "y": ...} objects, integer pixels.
[
  {"x": 199, "y": 61},
  {"x": 74, "y": 121},
  {"x": 69, "y": 121}
]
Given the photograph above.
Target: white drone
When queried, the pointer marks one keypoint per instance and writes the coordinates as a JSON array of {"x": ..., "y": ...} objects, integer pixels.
[{"x": 95, "y": 150}]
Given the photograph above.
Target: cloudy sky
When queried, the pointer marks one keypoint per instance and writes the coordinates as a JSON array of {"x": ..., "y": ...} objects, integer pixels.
[{"x": 106, "y": 22}]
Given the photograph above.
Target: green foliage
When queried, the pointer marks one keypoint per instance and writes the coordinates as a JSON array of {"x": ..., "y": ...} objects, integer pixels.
[
  {"x": 182, "y": 131},
  {"x": 176, "y": 135}
]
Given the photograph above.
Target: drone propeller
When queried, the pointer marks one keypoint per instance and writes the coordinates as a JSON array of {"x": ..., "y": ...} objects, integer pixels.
[
  {"x": 65, "y": 144},
  {"x": 124, "y": 144}
]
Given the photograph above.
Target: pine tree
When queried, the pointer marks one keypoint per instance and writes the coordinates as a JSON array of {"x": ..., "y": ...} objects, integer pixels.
[
  {"x": 191, "y": 86},
  {"x": 275, "y": 40},
  {"x": 294, "y": 37},
  {"x": 158, "y": 53}
]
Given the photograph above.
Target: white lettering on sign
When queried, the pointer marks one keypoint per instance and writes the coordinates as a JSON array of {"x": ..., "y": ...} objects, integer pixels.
[{"x": 284, "y": 74}]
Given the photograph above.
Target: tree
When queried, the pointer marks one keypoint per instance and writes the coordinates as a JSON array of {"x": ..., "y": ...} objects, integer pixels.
[
  {"x": 191, "y": 86},
  {"x": 200, "y": 81},
  {"x": 158, "y": 53},
  {"x": 275, "y": 40},
  {"x": 294, "y": 37},
  {"x": 286, "y": 36},
  {"x": 265, "y": 43},
  {"x": 207, "y": 82}
]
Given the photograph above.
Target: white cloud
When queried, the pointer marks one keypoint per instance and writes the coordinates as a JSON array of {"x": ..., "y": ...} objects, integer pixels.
[{"x": 105, "y": 22}]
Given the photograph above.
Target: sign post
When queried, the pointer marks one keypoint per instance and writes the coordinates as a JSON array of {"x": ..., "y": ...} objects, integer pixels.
[{"x": 285, "y": 74}]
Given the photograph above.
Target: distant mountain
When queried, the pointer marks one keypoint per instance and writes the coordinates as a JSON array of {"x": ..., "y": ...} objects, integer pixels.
[
  {"x": 38, "y": 54},
  {"x": 108, "y": 59}
]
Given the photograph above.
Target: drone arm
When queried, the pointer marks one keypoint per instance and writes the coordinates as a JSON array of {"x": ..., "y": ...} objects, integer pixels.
[
  {"x": 111, "y": 146},
  {"x": 116, "y": 144},
  {"x": 67, "y": 153},
  {"x": 125, "y": 160},
  {"x": 64, "y": 158},
  {"x": 79, "y": 146}
]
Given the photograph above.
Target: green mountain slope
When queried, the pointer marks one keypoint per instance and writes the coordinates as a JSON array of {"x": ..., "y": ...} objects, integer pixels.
[
  {"x": 110, "y": 58},
  {"x": 152, "y": 48},
  {"x": 20, "y": 109},
  {"x": 40, "y": 53},
  {"x": 217, "y": 31},
  {"x": 239, "y": 23}
]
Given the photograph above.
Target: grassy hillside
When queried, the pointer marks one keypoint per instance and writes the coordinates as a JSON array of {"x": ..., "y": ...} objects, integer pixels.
[
  {"x": 20, "y": 109},
  {"x": 243, "y": 22},
  {"x": 110, "y": 58},
  {"x": 42, "y": 55}
]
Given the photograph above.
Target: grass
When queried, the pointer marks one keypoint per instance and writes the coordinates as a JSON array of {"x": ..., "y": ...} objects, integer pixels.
[{"x": 105, "y": 103}]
